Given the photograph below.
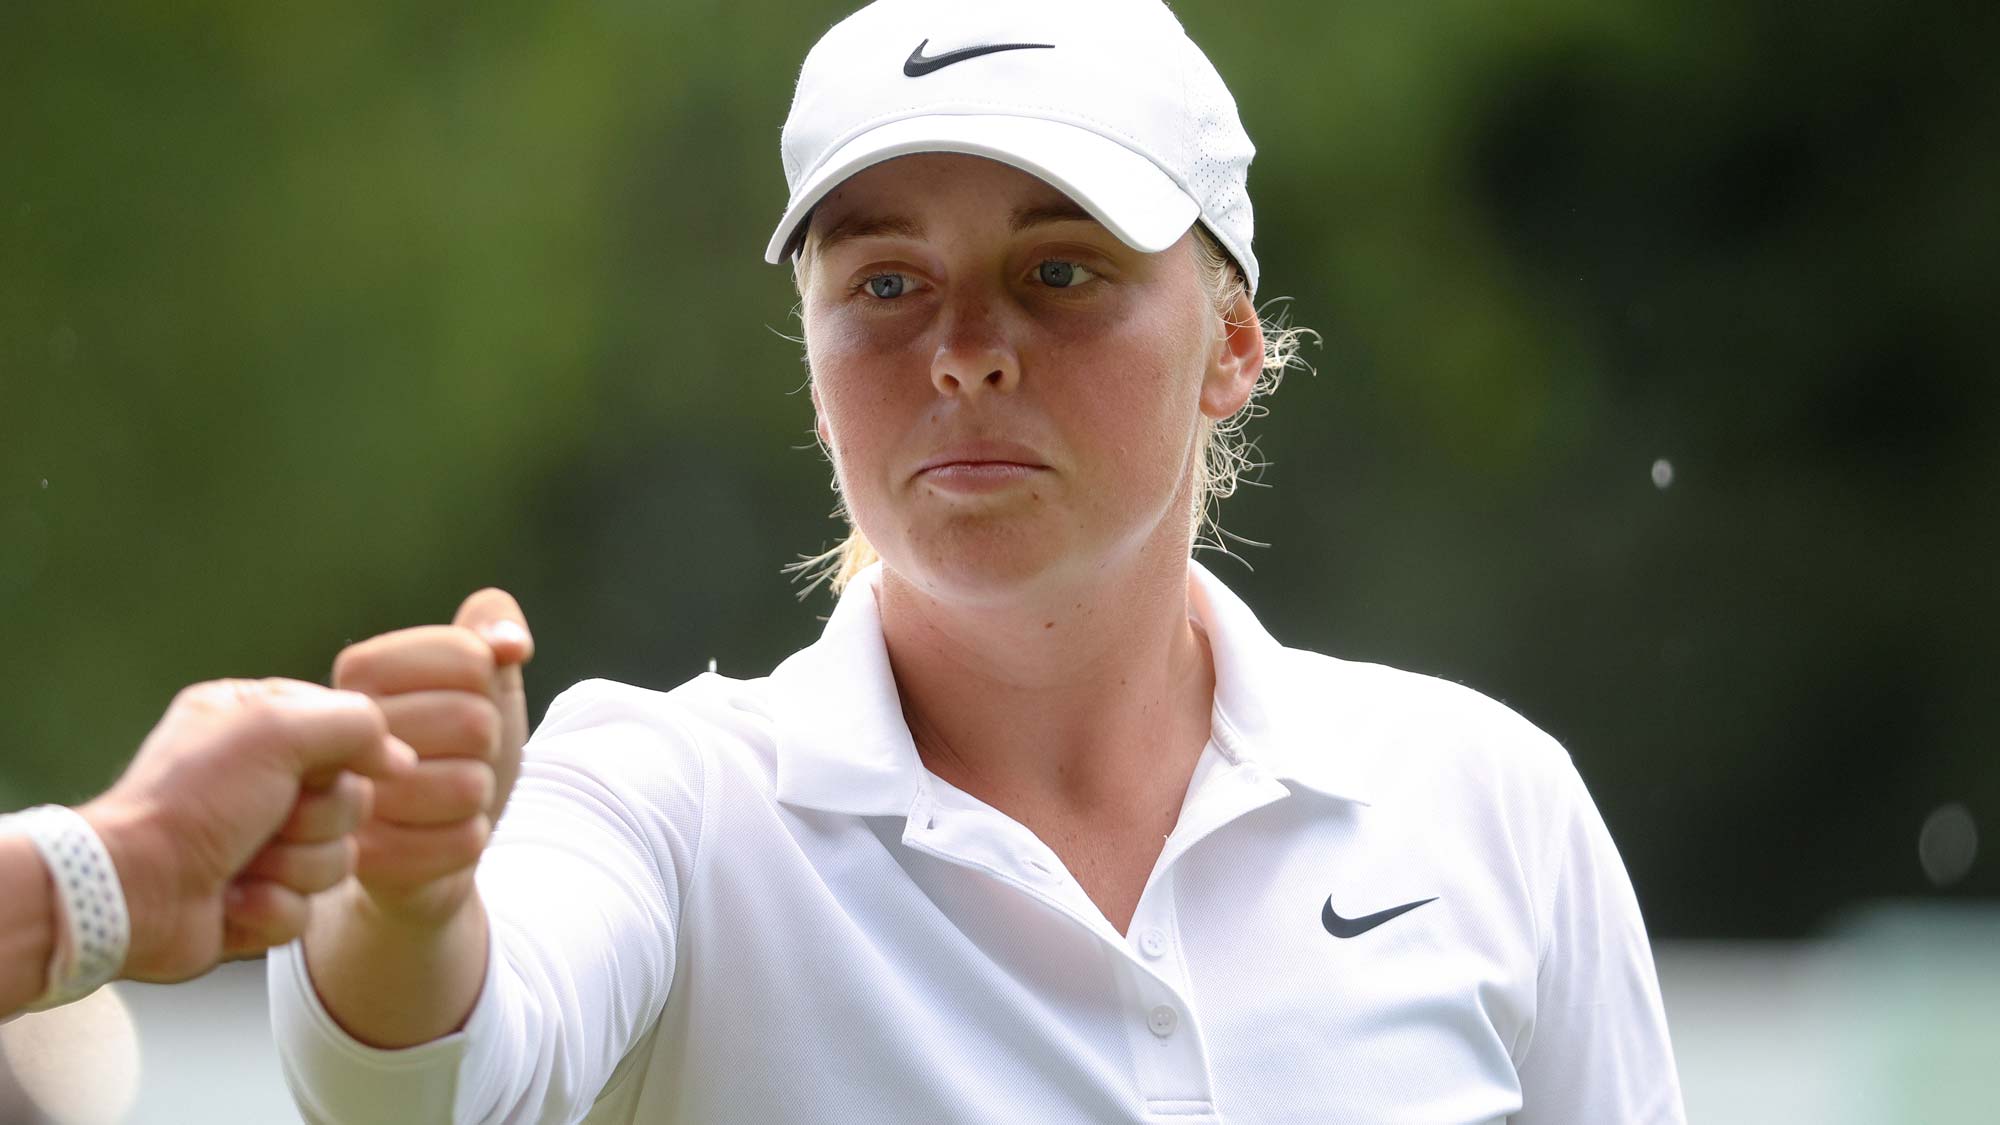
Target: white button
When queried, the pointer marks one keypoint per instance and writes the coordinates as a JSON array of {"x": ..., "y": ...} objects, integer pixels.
[
  {"x": 1153, "y": 943},
  {"x": 1162, "y": 1020}
]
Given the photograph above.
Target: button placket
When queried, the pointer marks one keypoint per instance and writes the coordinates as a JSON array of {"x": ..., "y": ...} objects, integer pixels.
[
  {"x": 1171, "y": 1066},
  {"x": 1172, "y": 1073},
  {"x": 1155, "y": 937}
]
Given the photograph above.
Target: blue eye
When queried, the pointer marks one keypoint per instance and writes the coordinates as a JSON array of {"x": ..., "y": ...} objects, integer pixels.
[
  {"x": 1058, "y": 274},
  {"x": 887, "y": 286}
]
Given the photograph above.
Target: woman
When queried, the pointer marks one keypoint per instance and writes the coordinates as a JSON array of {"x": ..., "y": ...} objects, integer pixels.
[{"x": 1045, "y": 826}]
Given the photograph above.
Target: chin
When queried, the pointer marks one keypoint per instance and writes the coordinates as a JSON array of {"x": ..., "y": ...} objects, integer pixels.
[{"x": 980, "y": 563}]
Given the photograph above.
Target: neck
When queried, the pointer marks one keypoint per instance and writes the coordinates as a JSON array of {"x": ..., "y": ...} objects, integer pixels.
[{"x": 1081, "y": 696}]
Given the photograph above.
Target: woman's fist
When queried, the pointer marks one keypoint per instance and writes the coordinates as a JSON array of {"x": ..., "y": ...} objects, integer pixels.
[{"x": 452, "y": 693}]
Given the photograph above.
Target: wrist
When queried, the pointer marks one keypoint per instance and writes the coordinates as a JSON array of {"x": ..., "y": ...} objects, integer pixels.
[
  {"x": 138, "y": 855},
  {"x": 87, "y": 915},
  {"x": 28, "y": 929},
  {"x": 434, "y": 905},
  {"x": 353, "y": 909},
  {"x": 391, "y": 980}
]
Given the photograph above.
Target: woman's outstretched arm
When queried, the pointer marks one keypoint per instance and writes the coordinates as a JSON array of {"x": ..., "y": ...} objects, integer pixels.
[
  {"x": 398, "y": 954},
  {"x": 503, "y": 981}
]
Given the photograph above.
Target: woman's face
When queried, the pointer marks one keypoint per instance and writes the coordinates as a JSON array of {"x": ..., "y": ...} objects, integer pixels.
[{"x": 1011, "y": 394}]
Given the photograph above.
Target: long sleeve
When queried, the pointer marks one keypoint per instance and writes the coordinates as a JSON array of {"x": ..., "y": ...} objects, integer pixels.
[
  {"x": 1600, "y": 1050},
  {"x": 582, "y": 884}
]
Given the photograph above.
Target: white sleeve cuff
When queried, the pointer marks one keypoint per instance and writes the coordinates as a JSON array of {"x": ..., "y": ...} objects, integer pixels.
[{"x": 336, "y": 1078}]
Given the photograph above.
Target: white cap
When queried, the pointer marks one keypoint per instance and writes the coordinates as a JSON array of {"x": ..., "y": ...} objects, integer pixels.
[{"x": 1108, "y": 101}]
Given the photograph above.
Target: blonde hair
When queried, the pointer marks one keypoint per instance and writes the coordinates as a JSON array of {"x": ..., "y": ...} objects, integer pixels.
[{"x": 1227, "y": 456}]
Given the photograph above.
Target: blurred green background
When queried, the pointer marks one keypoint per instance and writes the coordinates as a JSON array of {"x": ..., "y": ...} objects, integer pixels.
[{"x": 1658, "y": 395}]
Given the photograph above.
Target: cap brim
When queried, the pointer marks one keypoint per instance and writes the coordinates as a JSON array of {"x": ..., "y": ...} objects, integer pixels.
[{"x": 1125, "y": 191}]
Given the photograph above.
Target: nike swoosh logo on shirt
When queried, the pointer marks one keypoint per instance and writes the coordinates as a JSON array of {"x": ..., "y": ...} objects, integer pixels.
[
  {"x": 917, "y": 65},
  {"x": 1355, "y": 927}
]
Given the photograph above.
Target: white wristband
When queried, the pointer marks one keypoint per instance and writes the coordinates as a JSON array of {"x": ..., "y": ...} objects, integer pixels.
[{"x": 93, "y": 930}]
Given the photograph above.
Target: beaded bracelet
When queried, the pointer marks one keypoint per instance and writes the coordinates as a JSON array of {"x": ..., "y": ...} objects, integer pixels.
[{"x": 93, "y": 930}]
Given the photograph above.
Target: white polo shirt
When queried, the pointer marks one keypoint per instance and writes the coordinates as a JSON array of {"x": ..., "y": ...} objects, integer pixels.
[{"x": 748, "y": 901}]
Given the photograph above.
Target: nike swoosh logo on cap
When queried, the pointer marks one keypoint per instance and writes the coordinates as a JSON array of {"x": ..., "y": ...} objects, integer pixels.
[
  {"x": 1355, "y": 927},
  {"x": 916, "y": 66}
]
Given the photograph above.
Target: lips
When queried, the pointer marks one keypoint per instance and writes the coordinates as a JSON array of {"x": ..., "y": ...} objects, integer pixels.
[
  {"x": 981, "y": 456},
  {"x": 982, "y": 468}
]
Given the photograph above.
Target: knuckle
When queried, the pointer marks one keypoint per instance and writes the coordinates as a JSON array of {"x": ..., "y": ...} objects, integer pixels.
[
  {"x": 357, "y": 802},
  {"x": 288, "y": 866},
  {"x": 472, "y": 789},
  {"x": 208, "y": 697},
  {"x": 317, "y": 860},
  {"x": 374, "y": 722},
  {"x": 472, "y": 654},
  {"x": 485, "y": 787},
  {"x": 348, "y": 792},
  {"x": 254, "y": 704},
  {"x": 254, "y": 719},
  {"x": 353, "y": 668},
  {"x": 382, "y": 792},
  {"x": 331, "y": 863},
  {"x": 476, "y": 722},
  {"x": 471, "y": 838}
]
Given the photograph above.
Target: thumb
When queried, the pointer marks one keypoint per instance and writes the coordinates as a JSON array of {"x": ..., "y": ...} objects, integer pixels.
[
  {"x": 330, "y": 730},
  {"x": 497, "y": 617}
]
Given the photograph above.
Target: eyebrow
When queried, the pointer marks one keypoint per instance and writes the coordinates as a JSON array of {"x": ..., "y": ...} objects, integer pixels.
[
  {"x": 1066, "y": 211},
  {"x": 869, "y": 226},
  {"x": 899, "y": 226}
]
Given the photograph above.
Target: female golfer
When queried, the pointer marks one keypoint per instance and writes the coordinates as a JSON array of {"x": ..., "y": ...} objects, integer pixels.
[{"x": 1045, "y": 827}]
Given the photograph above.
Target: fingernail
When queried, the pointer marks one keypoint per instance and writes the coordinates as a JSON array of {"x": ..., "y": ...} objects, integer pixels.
[{"x": 506, "y": 632}]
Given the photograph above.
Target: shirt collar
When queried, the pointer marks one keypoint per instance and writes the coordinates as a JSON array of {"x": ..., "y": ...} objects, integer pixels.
[
  {"x": 843, "y": 745},
  {"x": 1273, "y": 705}
]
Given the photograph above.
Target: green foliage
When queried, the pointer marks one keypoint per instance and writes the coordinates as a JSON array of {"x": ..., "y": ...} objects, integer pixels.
[{"x": 312, "y": 320}]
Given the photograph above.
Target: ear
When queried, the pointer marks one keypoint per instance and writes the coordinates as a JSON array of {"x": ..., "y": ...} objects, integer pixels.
[
  {"x": 819, "y": 416},
  {"x": 1236, "y": 363}
]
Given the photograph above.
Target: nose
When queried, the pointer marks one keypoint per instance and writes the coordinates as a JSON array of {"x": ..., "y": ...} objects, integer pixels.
[{"x": 974, "y": 355}]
